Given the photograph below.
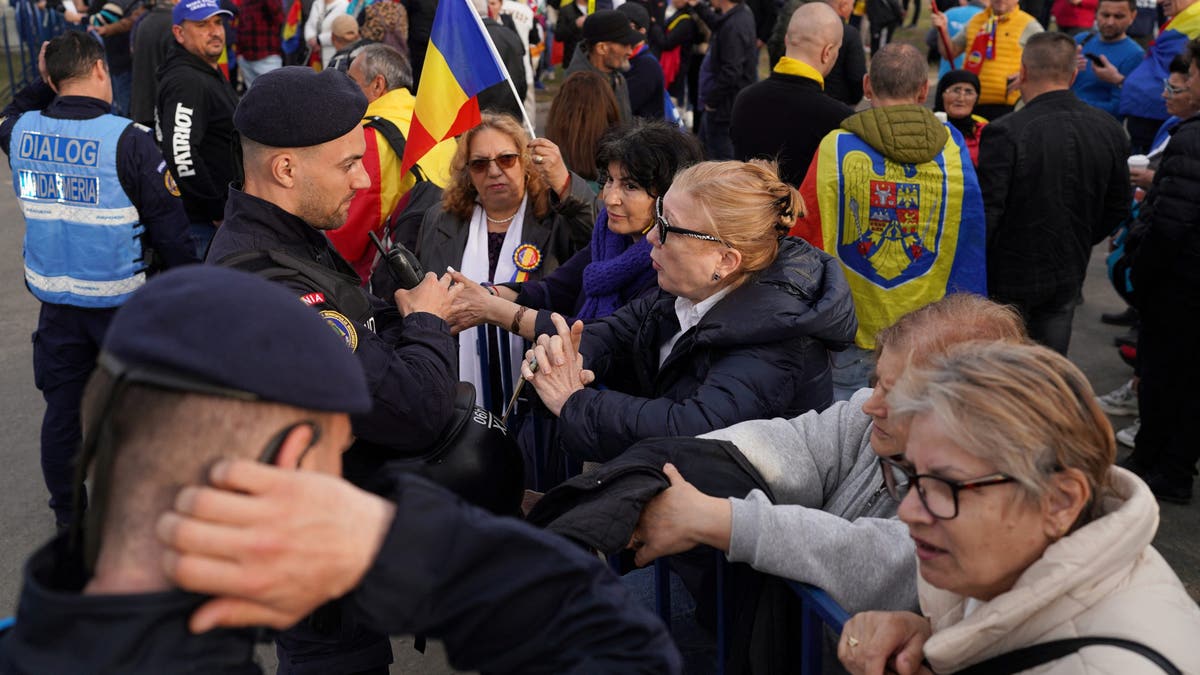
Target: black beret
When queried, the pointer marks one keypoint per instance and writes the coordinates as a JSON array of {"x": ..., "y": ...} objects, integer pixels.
[
  {"x": 297, "y": 107},
  {"x": 234, "y": 330}
]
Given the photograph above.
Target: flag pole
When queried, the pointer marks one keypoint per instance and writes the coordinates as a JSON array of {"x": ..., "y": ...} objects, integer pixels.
[{"x": 507, "y": 75}]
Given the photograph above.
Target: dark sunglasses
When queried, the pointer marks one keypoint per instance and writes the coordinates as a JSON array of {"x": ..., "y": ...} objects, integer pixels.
[
  {"x": 505, "y": 161},
  {"x": 938, "y": 495},
  {"x": 664, "y": 227}
]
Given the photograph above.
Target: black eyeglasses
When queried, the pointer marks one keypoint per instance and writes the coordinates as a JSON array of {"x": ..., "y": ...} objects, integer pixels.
[
  {"x": 505, "y": 161},
  {"x": 938, "y": 495},
  {"x": 664, "y": 227}
]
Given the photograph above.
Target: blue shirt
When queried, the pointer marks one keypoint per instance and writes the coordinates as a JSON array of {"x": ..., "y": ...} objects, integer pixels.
[{"x": 1125, "y": 54}]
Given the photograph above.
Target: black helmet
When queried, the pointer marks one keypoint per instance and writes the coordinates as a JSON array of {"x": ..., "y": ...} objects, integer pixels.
[{"x": 477, "y": 459}]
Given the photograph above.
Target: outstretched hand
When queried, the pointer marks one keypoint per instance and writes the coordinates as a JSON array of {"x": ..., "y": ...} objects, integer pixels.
[{"x": 679, "y": 519}]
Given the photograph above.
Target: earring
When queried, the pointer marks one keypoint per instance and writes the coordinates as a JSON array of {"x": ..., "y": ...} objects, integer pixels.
[{"x": 716, "y": 277}]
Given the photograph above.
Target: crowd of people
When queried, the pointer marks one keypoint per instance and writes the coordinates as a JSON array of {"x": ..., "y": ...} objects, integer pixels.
[{"x": 817, "y": 323}]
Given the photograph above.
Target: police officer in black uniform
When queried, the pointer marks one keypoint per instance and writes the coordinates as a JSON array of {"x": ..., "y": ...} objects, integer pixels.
[
  {"x": 101, "y": 212},
  {"x": 302, "y": 150},
  {"x": 207, "y": 363}
]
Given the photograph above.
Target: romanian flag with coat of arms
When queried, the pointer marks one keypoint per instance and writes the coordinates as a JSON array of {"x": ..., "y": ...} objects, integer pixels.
[
  {"x": 906, "y": 234},
  {"x": 459, "y": 63}
]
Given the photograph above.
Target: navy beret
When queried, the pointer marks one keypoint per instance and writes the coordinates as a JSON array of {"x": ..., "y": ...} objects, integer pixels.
[
  {"x": 297, "y": 107},
  {"x": 237, "y": 331}
]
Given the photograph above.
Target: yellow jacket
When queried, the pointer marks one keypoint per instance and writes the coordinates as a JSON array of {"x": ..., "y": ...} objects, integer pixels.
[{"x": 1012, "y": 30}]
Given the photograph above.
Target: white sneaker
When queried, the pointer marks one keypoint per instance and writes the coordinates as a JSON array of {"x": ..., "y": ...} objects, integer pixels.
[
  {"x": 1127, "y": 435},
  {"x": 1121, "y": 401}
]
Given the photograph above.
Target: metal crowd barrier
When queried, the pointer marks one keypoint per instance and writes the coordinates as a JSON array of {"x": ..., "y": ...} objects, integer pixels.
[
  {"x": 24, "y": 27},
  {"x": 817, "y": 608}
]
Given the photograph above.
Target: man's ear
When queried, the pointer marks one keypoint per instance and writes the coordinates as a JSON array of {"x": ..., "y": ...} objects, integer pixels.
[
  {"x": 99, "y": 71},
  {"x": 378, "y": 87},
  {"x": 177, "y": 31},
  {"x": 867, "y": 93},
  {"x": 295, "y": 446},
  {"x": 283, "y": 168},
  {"x": 923, "y": 94}
]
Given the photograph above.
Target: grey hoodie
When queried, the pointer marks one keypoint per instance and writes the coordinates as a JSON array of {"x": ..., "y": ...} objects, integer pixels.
[{"x": 835, "y": 527}]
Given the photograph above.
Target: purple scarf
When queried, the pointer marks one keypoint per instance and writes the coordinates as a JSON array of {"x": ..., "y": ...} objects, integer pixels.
[{"x": 619, "y": 268}]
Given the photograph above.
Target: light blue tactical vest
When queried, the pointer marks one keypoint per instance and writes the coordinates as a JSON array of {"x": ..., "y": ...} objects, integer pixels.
[{"x": 82, "y": 235}]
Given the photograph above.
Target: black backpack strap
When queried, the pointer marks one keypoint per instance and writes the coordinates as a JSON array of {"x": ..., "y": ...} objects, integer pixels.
[
  {"x": 395, "y": 139},
  {"x": 1020, "y": 660}
]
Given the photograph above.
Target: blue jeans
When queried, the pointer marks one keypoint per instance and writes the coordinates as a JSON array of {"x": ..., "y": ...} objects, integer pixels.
[
  {"x": 852, "y": 370},
  {"x": 714, "y": 135},
  {"x": 252, "y": 69},
  {"x": 202, "y": 234},
  {"x": 122, "y": 88}
]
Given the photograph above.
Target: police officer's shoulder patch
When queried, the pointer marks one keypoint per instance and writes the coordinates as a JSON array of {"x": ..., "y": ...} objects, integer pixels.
[
  {"x": 342, "y": 326},
  {"x": 169, "y": 183}
]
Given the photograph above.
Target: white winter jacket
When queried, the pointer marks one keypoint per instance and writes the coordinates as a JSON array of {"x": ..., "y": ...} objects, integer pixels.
[{"x": 1103, "y": 580}]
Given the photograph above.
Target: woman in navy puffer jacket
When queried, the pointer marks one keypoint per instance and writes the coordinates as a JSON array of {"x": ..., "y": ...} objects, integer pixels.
[{"x": 740, "y": 329}]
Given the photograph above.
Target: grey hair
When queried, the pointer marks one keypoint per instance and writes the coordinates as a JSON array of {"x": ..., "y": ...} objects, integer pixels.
[
  {"x": 1024, "y": 408},
  {"x": 385, "y": 60}
]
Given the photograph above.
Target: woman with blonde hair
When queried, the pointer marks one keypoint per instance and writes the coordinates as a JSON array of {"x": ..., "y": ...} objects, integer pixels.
[
  {"x": 1027, "y": 537},
  {"x": 739, "y": 329},
  {"x": 512, "y": 212}
]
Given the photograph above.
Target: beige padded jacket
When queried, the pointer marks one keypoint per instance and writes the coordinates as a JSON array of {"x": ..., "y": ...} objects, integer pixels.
[{"x": 1104, "y": 579}]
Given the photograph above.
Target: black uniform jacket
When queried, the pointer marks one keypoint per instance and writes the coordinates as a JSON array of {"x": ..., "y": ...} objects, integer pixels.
[
  {"x": 60, "y": 630},
  {"x": 502, "y": 596},
  {"x": 410, "y": 362}
]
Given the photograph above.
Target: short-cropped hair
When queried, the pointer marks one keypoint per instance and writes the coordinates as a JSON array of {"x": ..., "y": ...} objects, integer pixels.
[
  {"x": 1049, "y": 57},
  {"x": 71, "y": 55},
  {"x": 386, "y": 60},
  {"x": 898, "y": 70}
]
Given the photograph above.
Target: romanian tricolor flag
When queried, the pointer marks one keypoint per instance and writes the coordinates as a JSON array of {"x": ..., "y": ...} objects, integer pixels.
[
  {"x": 223, "y": 63},
  {"x": 906, "y": 234},
  {"x": 293, "y": 36},
  {"x": 459, "y": 63}
]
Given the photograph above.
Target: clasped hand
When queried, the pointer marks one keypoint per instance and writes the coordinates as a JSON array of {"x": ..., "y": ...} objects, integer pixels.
[{"x": 560, "y": 370}]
